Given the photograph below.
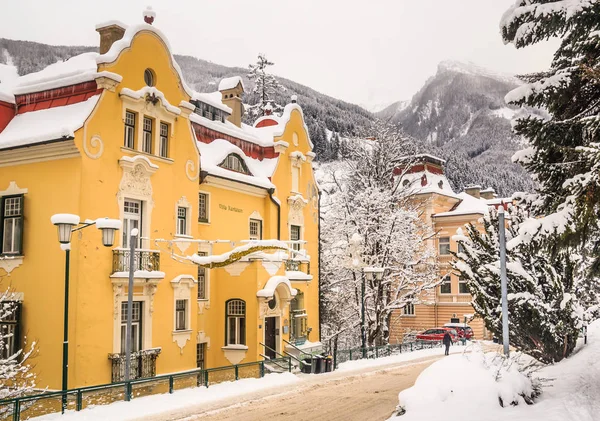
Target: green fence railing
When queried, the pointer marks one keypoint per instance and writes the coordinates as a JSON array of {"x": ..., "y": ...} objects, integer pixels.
[{"x": 26, "y": 407}]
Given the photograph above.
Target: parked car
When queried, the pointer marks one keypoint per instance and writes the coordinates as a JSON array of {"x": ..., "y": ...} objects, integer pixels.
[
  {"x": 464, "y": 330},
  {"x": 437, "y": 334}
]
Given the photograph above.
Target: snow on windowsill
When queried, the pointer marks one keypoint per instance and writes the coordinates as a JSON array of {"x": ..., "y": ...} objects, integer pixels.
[
  {"x": 145, "y": 274},
  {"x": 296, "y": 275},
  {"x": 235, "y": 348},
  {"x": 148, "y": 155}
]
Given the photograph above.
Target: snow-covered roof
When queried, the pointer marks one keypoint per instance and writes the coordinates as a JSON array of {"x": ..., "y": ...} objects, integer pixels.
[
  {"x": 230, "y": 83},
  {"x": 231, "y": 129},
  {"x": 214, "y": 153},
  {"x": 45, "y": 125},
  {"x": 468, "y": 205},
  {"x": 150, "y": 90},
  {"x": 435, "y": 183},
  {"x": 213, "y": 99},
  {"x": 268, "y": 133},
  {"x": 272, "y": 284}
]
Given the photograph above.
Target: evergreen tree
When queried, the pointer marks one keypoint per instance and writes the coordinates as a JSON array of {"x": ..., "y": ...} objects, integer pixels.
[
  {"x": 265, "y": 86},
  {"x": 547, "y": 297},
  {"x": 564, "y": 149}
]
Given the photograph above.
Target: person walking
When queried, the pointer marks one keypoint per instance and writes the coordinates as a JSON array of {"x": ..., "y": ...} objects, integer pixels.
[{"x": 447, "y": 341}]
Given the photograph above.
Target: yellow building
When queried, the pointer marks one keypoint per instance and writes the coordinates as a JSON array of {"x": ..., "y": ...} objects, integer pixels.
[
  {"x": 120, "y": 134},
  {"x": 445, "y": 212}
]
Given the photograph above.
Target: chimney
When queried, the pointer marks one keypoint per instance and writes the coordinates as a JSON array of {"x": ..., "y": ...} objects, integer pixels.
[
  {"x": 473, "y": 190},
  {"x": 294, "y": 99},
  {"x": 149, "y": 15},
  {"x": 110, "y": 32},
  {"x": 231, "y": 90},
  {"x": 488, "y": 193}
]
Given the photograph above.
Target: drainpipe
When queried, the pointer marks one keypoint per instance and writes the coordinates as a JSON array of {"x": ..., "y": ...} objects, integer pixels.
[
  {"x": 319, "y": 260},
  {"x": 271, "y": 192}
]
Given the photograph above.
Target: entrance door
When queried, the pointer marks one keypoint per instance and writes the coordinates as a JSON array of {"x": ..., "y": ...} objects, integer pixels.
[{"x": 270, "y": 336}]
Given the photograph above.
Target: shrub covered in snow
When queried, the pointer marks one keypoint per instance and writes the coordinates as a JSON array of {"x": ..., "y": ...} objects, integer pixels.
[{"x": 473, "y": 383}]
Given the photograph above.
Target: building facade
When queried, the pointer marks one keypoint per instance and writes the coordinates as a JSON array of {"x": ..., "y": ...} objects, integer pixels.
[
  {"x": 445, "y": 212},
  {"x": 120, "y": 134}
]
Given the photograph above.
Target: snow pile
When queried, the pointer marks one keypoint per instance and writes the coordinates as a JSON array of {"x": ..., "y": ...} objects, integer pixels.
[
  {"x": 230, "y": 83},
  {"x": 477, "y": 381}
]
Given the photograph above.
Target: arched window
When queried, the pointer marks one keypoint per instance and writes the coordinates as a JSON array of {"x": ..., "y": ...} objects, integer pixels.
[
  {"x": 235, "y": 316},
  {"x": 234, "y": 163},
  {"x": 149, "y": 77}
]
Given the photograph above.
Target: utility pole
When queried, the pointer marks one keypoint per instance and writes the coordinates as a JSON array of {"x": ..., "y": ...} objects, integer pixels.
[
  {"x": 362, "y": 324},
  {"x": 503, "y": 280},
  {"x": 132, "y": 244}
]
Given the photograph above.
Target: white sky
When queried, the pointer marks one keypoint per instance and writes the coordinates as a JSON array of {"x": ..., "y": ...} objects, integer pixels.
[{"x": 367, "y": 52}]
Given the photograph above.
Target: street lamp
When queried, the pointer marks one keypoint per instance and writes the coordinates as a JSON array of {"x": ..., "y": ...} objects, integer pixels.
[
  {"x": 66, "y": 224},
  {"x": 370, "y": 273}
]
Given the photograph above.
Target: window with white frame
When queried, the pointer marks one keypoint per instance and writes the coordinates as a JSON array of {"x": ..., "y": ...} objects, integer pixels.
[
  {"x": 136, "y": 326},
  {"x": 236, "y": 322},
  {"x": 181, "y": 310},
  {"x": 295, "y": 235},
  {"x": 446, "y": 286},
  {"x": 147, "y": 135},
  {"x": 255, "y": 229},
  {"x": 462, "y": 286},
  {"x": 202, "y": 281},
  {"x": 132, "y": 218},
  {"x": 234, "y": 163},
  {"x": 200, "y": 355},
  {"x": 164, "y": 140},
  {"x": 408, "y": 310},
  {"x": 129, "y": 130},
  {"x": 444, "y": 246},
  {"x": 203, "y": 207},
  {"x": 182, "y": 220},
  {"x": 12, "y": 225}
]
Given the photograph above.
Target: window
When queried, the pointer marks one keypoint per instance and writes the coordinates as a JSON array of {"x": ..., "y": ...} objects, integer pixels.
[
  {"x": 136, "y": 326},
  {"x": 200, "y": 353},
  {"x": 202, "y": 290},
  {"x": 202, "y": 207},
  {"x": 295, "y": 236},
  {"x": 164, "y": 140},
  {"x": 234, "y": 163},
  {"x": 147, "y": 139},
  {"x": 182, "y": 221},
  {"x": 9, "y": 328},
  {"x": 12, "y": 225},
  {"x": 181, "y": 314},
  {"x": 236, "y": 322},
  {"x": 129, "y": 130},
  {"x": 298, "y": 325},
  {"x": 132, "y": 218},
  {"x": 444, "y": 246},
  {"x": 149, "y": 77},
  {"x": 446, "y": 286},
  {"x": 255, "y": 229},
  {"x": 462, "y": 287},
  {"x": 408, "y": 310}
]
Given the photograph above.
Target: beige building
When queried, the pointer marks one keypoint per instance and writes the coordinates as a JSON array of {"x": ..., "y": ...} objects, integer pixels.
[{"x": 445, "y": 211}]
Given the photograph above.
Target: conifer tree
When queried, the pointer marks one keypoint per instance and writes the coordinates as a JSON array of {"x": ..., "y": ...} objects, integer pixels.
[
  {"x": 564, "y": 149},
  {"x": 265, "y": 86}
]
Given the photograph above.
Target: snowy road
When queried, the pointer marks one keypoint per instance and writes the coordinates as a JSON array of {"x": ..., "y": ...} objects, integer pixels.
[{"x": 370, "y": 394}]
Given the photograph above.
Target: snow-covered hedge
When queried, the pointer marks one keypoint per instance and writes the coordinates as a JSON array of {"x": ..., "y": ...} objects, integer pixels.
[{"x": 466, "y": 384}]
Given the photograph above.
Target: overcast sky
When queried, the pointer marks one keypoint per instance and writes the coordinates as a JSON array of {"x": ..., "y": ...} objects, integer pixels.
[{"x": 369, "y": 52}]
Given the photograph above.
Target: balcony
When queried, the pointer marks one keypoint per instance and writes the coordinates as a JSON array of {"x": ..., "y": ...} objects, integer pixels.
[
  {"x": 143, "y": 365},
  {"x": 298, "y": 270},
  {"x": 143, "y": 260},
  {"x": 454, "y": 298}
]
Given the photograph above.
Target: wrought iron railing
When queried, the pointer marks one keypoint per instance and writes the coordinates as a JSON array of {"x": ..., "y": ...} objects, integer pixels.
[
  {"x": 143, "y": 365},
  {"x": 142, "y": 260},
  {"x": 292, "y": 265}
]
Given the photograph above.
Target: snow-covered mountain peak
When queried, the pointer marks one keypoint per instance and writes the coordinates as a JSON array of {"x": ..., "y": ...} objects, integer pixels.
[{"x": 473, "y": 69}]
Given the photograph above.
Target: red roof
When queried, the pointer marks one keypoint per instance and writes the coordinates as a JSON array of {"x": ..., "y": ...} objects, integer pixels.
[{"x": 206, "y": 135}]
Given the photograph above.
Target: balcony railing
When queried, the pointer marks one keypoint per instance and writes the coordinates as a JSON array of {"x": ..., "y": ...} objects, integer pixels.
[
  {"x": 143, "y": 365},
  {"x": 297, "y": 266},
  {"x": 142, "y": 260}
]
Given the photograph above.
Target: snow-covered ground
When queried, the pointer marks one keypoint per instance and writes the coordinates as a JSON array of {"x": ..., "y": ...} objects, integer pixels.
[{"x": 461, "y": 385}]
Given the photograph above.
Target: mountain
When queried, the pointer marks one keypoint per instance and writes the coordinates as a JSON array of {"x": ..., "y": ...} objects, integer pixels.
[
  {"x": 460, "y": 115},
  {"x": 321, "y": 112}
]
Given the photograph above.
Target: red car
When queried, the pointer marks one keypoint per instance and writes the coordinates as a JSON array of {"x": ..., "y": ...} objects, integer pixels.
[
  {"x": 437, "y": 334},
  {"x": 464, "y": 330}
]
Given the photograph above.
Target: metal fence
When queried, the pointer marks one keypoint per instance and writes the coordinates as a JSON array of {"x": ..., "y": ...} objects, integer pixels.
[
  {"x": 353, "y": 354},
  {"x": 27, "y": 407}
]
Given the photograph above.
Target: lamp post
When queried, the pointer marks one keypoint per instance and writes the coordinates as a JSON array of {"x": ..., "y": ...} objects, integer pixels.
[
  {"x": 67, "y": 224},
  {"x": 503, "y": 280},
  {"x": 132, "y": 243},
  {"x": 370, "y": 273}
]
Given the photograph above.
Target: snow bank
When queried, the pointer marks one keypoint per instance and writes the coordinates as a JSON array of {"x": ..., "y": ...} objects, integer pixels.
[
  {"x": 476, "y": 381},
  {"x": 156, "y": 404}
]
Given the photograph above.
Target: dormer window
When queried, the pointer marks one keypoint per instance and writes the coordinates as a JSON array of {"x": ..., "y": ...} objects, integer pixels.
[{"x": 234, "y": 163}]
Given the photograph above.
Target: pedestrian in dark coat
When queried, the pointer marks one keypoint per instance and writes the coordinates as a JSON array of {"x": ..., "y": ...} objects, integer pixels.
[{"x": 447, "y": 341}]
